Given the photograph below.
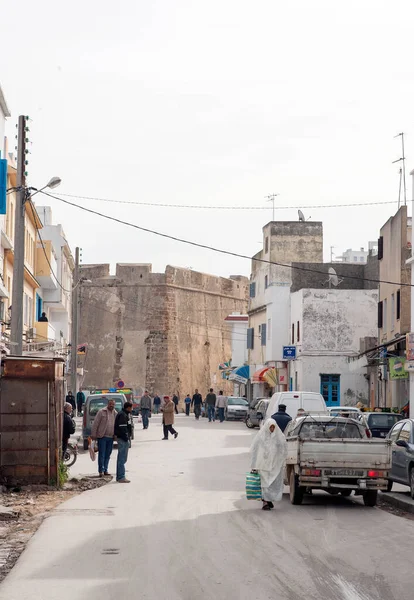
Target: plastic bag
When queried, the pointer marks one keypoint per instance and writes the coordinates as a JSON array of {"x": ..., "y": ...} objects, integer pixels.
[
  {"x": 93, "y": 448},
  {"x": 253, "y": 486},
  {"x": 139, "y": 419}
]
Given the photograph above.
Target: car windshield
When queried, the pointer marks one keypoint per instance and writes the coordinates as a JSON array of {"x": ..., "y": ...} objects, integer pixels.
[
  {"x": 240, "y": 401},
  {"x": 383, "y": 420},
  {"x": 329, "y": 430},
  {"x": 95, "y": 404}
]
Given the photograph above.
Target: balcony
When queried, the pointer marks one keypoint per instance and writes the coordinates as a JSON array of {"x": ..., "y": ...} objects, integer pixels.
[
  {"x": 46, "y": 269},
  {"x": 45, "y": 332}
]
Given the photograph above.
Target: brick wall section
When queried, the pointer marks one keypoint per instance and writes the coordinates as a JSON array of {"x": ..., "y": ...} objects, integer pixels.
[{"x": 161, "y": 331}]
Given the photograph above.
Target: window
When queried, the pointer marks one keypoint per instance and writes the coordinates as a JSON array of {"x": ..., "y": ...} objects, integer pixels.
[
  {"x": 395, "y": 431},
  {"x": 30, "y": 315},
  {"x": 380, "y": 315},
  {"x": 253, "y": 289},
  {"x": 398, "y": 307},
  {"x": 361, "y": 259},
  {"x": 266, "y": 244},
  {"x": 39, "y": 307},
  {"x": 384, "y": 314},
  {"x": 392, "y": 312},
  {"x": 298, "y": 331},
  {"x": 405, "y": 433},
  {"x": 250, "y": 338},
  {"x": 269, "y": 328},
  {"x": 2, "y": 311},
  {"x": 263, "y": 334},
  {"x": 380, "y": 248},
  {"x": 293, "y": 333},
  {"x": 266, "y": 282},
  {"x": 355, "y": 259}
]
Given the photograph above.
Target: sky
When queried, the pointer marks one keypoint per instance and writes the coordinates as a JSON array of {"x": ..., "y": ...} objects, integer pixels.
[{"x": 216, "y": 103}]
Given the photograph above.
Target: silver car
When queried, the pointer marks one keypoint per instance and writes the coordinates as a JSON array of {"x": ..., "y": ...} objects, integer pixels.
[{"x": 237, "y": 408}]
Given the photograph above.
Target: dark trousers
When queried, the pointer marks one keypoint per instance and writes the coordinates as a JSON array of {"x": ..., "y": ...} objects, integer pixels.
[
  {"x": 221, "y": 414},
  {"x": 156, "y": 409},
  {"x": 145, "y": 417},
  {"x": 168, "y": 428},
  {"x": 79, "y": 408},
  {"x": 187, "y": 409},
  {"x": 64, "y": 448},
  {"x": 123, "y": 447},
  {"x": 211, "y": 412},
  {"x": 197, "y": 410},
  {"x": 105, "y": 446},
  {"x": 176, "y": 408}
]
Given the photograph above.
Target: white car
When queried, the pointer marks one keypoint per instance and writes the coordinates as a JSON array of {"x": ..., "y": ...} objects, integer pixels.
[{"x": 237, "y": 408}]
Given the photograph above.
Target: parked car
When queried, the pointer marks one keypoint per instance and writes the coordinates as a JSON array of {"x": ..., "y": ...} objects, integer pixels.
[
  {"x": 379, "y": 423},
  {"x": 256, "y": 412},
  {"x": 351, "y": 412},
  {"x": 236, "y": 408},
  {"x": 402, "y": 469},
  {"x": 93, "y": 404},
  {"x": 309, "y": 401}
]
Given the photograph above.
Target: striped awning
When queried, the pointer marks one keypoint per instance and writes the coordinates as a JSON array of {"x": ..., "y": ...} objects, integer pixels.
[{"x": 258, "y": 376}]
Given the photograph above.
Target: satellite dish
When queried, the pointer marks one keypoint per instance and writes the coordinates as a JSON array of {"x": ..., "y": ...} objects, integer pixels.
[
  {"x": 333, "y": 277},
  {"x": 301, "y": 216}
]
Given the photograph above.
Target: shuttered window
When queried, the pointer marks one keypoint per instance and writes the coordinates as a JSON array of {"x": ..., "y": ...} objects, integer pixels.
[
  {"x": 398, "y": 307},
  {"x": 263, "y": 334},
  {"x": 380, "y": 248},
  {"x": 253, "y": 289},
  {"x": 250, "y": 338},
  {"x": 380, "y": 315}
]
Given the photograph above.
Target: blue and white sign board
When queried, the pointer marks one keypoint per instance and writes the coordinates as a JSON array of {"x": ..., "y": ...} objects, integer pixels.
[{"x": 289, "y": 352}]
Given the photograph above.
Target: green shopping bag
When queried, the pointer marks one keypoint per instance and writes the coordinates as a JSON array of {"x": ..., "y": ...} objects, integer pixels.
[{"x": 253, "y": 486}]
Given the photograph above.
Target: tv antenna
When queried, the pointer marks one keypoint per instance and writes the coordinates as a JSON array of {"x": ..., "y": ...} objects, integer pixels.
[
  {"x": 271, "y": 198},
  {"x": 402, "y": 171},
  {"x": 333, "y": 279}
]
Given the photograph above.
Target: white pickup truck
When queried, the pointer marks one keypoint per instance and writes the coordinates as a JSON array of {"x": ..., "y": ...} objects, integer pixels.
[{"x": 334, "y": 454}]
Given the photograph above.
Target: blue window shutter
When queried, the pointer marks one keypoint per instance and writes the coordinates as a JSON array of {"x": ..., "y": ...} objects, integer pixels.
[
  {"x": 250, "y": 338},
  {"x": 3, "y": 185},
  {"x": 263, "y": 334},
  {"x": 253, "y": 289}
]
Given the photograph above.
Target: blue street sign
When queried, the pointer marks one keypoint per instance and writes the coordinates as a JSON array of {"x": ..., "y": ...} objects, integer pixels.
[{"x": 289, "y": 352}]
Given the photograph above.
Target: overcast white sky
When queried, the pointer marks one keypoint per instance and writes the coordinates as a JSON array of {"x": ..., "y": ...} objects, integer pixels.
[{"x": 215, "y": 102}]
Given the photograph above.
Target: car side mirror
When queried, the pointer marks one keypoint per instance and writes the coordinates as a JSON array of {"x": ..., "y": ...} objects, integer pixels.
[{"x": 402, "y": 444}]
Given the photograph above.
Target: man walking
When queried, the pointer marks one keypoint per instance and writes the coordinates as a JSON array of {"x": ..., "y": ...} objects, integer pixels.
[
  {"x": 211, "y": 405},
  {"x": 71, "y": 399},
  {"x": 157, "y": 404},
  {"x": 197, "y": 402},
  {"x": 221, "y": 404},
  {"x": 68, "y": 427},
  {"x": 123, "y": 434},
  {"x": 281, "y": 417},
  {"x": 103, "y": 430},
  {"x": 146, "y": 405},
  {"x": 176, "y": 401},
  {"x": 187, "y": 402},
  {"x": 80, "y": 401},
  {"x": 168, "y": 418}
]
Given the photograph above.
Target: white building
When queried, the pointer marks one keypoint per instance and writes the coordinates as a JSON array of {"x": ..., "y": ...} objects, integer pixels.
[
  {"x": 327, "y": 326},
  {"x": 358, "y": 256},
  {"x": 5, "y": 242},
  {"x": 239, "y": 324},
  {"x": 55, "y": 266}
]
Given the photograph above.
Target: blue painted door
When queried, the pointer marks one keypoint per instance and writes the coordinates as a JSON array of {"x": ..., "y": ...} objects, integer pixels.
[{"x": 330, "y": 389}]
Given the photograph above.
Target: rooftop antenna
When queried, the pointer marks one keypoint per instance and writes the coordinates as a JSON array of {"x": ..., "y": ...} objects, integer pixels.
[
  {"x": 402, "y": 159},
  {"x": 271, "y": 198},
  {"x": 333, "y": 280}
]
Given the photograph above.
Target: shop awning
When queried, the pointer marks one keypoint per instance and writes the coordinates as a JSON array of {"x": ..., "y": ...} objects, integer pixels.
[
  {"x": 241, "y": 374},
  {"x": 258, "y": 376},
  {"x": 271, "y": 377}
]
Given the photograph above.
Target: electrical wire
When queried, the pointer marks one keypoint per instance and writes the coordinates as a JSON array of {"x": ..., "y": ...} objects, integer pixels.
[
  {"x": 157, "y": 204},
  {"x": 221, "y": 251}
]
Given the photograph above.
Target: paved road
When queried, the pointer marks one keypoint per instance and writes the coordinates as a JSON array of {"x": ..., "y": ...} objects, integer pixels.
[{"x": 182, "y": 530}]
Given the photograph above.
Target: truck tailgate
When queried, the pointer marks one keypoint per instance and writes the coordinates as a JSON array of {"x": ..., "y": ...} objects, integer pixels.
[{"x": 344, "y": 453}]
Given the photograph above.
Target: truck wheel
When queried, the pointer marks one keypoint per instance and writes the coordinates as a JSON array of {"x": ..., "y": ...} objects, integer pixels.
[
  {"x": 370, "y": 497},
  {"x": 296, "y": 492},
  {"x": 346, "y": 493},
  {"x": 389, "y": 485},
  {"x": 85, "y": 444},
  {"x": 249, "y": 424}
]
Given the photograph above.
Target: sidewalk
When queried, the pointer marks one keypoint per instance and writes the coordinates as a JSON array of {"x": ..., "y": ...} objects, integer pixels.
[{"x": 399, "y": 497}]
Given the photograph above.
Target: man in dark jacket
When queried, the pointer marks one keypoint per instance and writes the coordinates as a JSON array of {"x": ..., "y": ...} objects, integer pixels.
[
  {"x": 71, "y": 399},
  {"x": 123, "y": 434},
  {"x": 80, "y": 401},
  {"x": 197, "y": 402},
  {"x": 281, "y": 417},
  {"x": 211, "y": 399},
  {"x": 68, "y": 426},
  {"x": 176, "y": 401}
]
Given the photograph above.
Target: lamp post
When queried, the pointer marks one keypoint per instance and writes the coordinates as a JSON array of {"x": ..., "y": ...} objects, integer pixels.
[{"x": 23, "y": 195}]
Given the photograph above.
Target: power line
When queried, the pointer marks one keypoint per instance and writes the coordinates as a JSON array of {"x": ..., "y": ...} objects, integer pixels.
[
  {"x": 221, "y": 251},
  {"x": 157, "y": 204}
]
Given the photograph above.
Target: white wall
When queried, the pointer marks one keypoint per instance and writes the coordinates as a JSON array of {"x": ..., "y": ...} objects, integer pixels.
[
  {"x": 239, "y": 343},
  {"x": 278, "y": 311}
]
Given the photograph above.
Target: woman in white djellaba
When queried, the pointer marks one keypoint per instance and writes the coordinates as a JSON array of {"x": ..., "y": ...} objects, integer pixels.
[{"x": 268, "y": 451}]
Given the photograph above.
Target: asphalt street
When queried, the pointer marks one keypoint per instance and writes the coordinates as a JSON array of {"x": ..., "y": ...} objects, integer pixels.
[{"x": 182, "y": 530}]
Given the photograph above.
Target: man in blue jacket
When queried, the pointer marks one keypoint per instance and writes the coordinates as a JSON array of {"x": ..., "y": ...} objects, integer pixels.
[{"x": 281, "y": 417}]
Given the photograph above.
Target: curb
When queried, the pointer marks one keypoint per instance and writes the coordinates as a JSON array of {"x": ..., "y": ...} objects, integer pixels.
[{"x": 396, "y": 499}]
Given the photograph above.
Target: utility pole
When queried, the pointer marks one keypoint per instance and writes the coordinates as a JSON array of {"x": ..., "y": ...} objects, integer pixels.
[
  {"x": 16, "y": 333},
  {"x": 271, "y": 198},
  {"x": 75, "y": 331},
  {"x": 402, "y": 172}
]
